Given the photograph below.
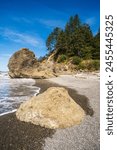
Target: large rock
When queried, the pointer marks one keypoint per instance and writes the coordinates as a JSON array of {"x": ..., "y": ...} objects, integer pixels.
[
  {"x": 23, "y": 64},
  {"x": 52, "y": 109}
]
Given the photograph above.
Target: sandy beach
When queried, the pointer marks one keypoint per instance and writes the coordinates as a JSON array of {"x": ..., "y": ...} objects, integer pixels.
[
  {"x": 84, "y": 89},
  {"x": 86, "y": 135}
]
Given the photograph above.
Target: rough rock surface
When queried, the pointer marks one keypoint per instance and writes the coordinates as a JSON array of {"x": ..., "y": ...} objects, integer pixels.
[
  {"x": 23, "y": 63},
  {"x": 52, "y": 109}
]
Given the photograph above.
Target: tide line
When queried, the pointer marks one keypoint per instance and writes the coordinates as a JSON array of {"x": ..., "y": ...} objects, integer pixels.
[{"x": 9, "y": 112}]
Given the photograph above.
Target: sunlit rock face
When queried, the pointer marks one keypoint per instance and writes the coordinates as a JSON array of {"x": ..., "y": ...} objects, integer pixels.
[
  {"x": 23, "y": 64},
  {"x": 52, "y": 109}
]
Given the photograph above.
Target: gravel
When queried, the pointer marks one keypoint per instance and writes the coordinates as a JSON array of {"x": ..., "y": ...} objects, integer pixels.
[{"x": 85, "y": 136}]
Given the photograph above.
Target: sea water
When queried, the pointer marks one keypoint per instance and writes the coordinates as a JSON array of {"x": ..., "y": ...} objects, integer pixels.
[{"x": 15, "y": 91}]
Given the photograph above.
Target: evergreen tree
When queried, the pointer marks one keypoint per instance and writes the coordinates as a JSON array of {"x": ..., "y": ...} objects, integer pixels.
[
  {"x": 71, "y": 31},
  {"x": 96, "y": 45},
  {"x": 85, "y": 41},
  {"x": 61, "y": 45},
  {"x": 73, "y": 24},
  {"x": 52, "y": 39},
  {"x": 75, "y": 40}
]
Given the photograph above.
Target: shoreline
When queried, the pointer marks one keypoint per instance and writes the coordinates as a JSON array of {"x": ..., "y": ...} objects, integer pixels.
[
  {"x": 15, "y": 134},
  {"x": 10, "y": 125},
  {"x": 9, "y": 112}
]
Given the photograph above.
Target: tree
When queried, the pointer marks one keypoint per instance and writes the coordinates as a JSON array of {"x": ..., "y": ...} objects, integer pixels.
[
  {"x": 72, "y": 31},
  {"x": 52, "y": 39},
  {"x": 75, "y": 40},
  {"x": 96, "y": 45},
  {"x": 61, "y": 45},
  {"x": 85, "y": 41},
  {"x": 73, "y": 24}
]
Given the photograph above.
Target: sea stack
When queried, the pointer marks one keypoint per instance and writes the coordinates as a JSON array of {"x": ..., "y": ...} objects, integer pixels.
[{"x": 24, "y": 64}]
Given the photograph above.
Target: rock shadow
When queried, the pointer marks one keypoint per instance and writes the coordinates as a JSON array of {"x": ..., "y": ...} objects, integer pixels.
[{"x": 82, "y": 100}]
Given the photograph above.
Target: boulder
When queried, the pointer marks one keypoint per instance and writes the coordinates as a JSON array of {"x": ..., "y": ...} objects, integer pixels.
[
  {"x": 23, "y": 64},
  {"x": 52, "y": 109}
]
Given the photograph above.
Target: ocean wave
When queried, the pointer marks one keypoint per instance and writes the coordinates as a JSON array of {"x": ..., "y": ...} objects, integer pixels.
[{"x": 15, "y": 91}]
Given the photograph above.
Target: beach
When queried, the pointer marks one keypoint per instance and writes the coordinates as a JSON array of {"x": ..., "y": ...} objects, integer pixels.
[
  {"x": 85, "y": 136},
  {"x": 84, "y": 89}
]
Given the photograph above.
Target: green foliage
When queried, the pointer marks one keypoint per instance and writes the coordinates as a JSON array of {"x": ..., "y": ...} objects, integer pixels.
[
  {"x": 96, "y": 64},
  {"x": 62, "y": 58},
  {"x": 52, "y": 39},
  {"x": 73, "y": 24},
  {"x": 76, "y": 41},
  {"x": 89, "y": 65},
  {"x": 76, "y": 60},
  {"x": 86, "y": 52},
  {"x": 96, "y": 45}
]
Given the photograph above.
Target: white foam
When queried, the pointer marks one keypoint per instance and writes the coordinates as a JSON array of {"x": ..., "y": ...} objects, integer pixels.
[
  {"x": 15, "y": 91},
  {"x": 9, "y": 112},
  {"x": 37, "y": 92}
]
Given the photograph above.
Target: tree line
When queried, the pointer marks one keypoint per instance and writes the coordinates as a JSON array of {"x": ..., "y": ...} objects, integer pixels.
[{"x": 76, "y": 39}]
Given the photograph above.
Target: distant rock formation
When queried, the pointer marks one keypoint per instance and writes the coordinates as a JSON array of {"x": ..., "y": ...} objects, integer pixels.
[
  {"x": 23, "y": 64},
  {"x": 52, "y": 109}
]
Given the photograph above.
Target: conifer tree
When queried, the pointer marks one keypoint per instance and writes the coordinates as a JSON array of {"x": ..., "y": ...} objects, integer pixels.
[
  {"x": 75, "y": 40},
  {"x": 96, "y": 45},
  {"x": 52, "y": 39}
]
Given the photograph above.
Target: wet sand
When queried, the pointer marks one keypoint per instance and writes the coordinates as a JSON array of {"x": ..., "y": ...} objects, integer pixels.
[{"x": 17, "y": 135}]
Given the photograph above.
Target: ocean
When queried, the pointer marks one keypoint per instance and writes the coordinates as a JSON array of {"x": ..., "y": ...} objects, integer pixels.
[{"x": 15, "y": 91}]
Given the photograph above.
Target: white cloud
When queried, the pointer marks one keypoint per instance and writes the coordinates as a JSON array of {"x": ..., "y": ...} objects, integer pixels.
[
  {"x": 47, "y": 22},
  {"x": 91, "y": 20},
  {"x": 22, "y": 19},
  {"x": 51, "y": 23},
  {"x": 22, "y": 38}
]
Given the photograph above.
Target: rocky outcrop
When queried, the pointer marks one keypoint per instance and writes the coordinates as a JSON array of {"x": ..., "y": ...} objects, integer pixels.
[
  {"x": 52, "y": 109},
  {"x": 23, "y": 64}
]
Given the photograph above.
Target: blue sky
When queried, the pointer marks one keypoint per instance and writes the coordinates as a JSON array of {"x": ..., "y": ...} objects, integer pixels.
[{"x": 27, "y": 23}]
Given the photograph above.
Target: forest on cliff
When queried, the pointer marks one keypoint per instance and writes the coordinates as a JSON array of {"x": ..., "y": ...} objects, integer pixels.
[{"x": 75, "y": 43}]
